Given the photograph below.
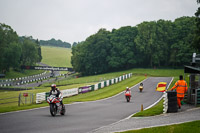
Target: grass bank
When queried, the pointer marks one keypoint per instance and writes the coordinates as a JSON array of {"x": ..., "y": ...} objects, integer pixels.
[
  {"x": 188, "y": 127},
  {"x": 56, "y": 56},
  {"x": 15, "y": 74}
]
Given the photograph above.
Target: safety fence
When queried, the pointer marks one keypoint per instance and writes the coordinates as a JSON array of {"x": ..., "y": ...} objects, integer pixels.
[
  {"x": 40, "y": 97},
  {"x": 25, "y": 98},
  {"x": 22, "y": 99}
]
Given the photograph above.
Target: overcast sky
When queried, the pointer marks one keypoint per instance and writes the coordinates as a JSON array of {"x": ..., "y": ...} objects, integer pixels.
[{"x": 75, "y": 20}]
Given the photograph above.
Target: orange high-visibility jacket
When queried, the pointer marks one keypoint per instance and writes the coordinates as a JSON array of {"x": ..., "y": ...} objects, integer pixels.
[{"x": 181, "y": 88}]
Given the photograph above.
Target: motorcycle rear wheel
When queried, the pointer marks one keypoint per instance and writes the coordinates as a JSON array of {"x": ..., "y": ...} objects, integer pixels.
[{"x": 53, "y": 109}]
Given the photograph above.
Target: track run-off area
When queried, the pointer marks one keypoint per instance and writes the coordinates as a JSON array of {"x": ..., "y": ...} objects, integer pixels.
[{"x": 85, "y": 116}]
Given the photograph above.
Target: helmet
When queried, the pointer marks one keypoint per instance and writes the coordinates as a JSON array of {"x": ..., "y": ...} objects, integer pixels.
[
  {"x": 127, "y": 88},
  {"x": 53, "y": 86}
]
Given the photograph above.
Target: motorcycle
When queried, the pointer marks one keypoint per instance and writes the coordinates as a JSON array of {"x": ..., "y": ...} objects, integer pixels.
[
  {"x": 127, "y": 96},
  {"x": 141, "y": 87},
  {"x": 55, "y": 105}
]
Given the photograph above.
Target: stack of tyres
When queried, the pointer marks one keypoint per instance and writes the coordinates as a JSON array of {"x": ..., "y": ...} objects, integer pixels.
[{"x": 172, "y": 101}]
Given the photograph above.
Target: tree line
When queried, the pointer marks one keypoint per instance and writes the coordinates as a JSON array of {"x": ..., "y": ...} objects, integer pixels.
[
  {"x": 55, "y": 43},
  {"x": 154, "y": 44},
  {"x": 17, "y": 51}
]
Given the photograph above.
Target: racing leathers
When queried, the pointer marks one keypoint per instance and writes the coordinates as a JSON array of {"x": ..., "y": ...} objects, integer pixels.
[{"x": 58, "y": 94}]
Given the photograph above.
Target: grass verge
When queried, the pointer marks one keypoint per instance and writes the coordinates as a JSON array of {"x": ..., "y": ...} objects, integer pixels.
[
  {"x": 25, "y": 73},
  {"x": 155, "y": 110},
  {"x": 188, "y": 127}
]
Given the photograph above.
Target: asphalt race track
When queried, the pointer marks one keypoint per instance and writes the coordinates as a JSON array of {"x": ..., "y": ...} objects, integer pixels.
[{"x": 82, "y": 117}]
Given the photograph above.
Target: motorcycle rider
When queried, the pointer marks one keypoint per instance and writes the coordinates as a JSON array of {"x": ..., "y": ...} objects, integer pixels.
[
  {"x": 128, "y": 91},
  {"x": 55, "y": 91}
]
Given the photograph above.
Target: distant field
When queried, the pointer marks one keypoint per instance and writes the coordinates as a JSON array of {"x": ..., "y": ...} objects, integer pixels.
[{"x": 56, "y": 56}]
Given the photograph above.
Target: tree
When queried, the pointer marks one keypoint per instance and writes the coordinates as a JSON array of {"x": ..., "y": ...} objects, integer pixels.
[
  {"x": 145, "y": 42},
  {"x": 89, "y": 57},
  {"x": 149, "y": 44},
  {"x": 39, "y": 51},
  {"x": 12, "y": 56},
  {"x": 123, "y": 52},
  {"x": 29, "y": 52},
  {"x": 8, "y": 42},
  {"x": 181, "y": 49},
  {"x": 196, "y": 42},
  {"x": 56, "y": 43}
]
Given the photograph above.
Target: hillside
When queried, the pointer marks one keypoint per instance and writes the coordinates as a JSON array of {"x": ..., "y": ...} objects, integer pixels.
[{"x": 56, "y": 56}]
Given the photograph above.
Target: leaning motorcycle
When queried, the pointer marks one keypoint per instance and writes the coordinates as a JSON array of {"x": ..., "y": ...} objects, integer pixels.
[
  {"x": 55, "y": 105},
  {"x": 128, "y": 96}
]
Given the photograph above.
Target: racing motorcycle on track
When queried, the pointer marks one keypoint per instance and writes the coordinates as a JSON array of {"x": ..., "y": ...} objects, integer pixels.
[
  {"x": 128, "y": 96},
  {"x": 55, "y": 105}
]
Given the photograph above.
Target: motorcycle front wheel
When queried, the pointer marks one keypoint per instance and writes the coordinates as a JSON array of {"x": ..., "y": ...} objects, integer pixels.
[
  {"x": 127, "y": 98},
  {"x": 62, "y": 112},
  {"x": 53, "y": 109}
]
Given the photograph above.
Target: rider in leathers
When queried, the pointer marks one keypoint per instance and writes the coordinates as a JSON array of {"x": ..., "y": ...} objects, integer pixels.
[{"x": 55, "y": 91}]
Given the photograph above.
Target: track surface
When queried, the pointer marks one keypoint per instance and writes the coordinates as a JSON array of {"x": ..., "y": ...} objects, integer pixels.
[{"x": 82, "y": 117}]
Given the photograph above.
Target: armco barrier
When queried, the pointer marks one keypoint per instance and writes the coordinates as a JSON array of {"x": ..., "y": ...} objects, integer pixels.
[
  {"x": 40, "y": 97},
  {"x": 85, "y": 89},
  {"x": 96, "y": 87},
  {"x": 69, "y": 92},
  {"x": 99, "y": 86},
  {"x": 102, "y": 84}
]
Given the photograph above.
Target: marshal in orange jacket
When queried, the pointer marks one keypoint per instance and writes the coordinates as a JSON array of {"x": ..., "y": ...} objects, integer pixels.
[{"x": 181, "y": 88}]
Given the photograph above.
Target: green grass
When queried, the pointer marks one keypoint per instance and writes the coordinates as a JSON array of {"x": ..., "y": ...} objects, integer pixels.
[
  {"x": 56, "y": 56},
  {"x": 15, "y": 74},
  {"x": 155, "y": 110},
  {"x": 188, "y": 127},
  {"x": 158, "y": 72}
]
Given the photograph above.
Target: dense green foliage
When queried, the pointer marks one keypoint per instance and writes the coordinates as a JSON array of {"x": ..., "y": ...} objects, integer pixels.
[
  {"x": 56, "y": 43},
  {"x": 150, "y": 44},
  {"x": 196, "y": 41},
  {"x": 15, "y": 51}
]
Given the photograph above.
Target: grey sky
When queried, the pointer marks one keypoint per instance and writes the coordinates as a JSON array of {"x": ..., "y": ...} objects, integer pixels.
[{"x": 75, "y": 20}]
